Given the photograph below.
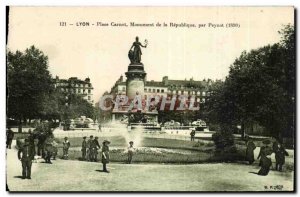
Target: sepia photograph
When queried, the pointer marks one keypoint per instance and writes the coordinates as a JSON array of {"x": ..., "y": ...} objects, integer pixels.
[{"x": 150, "y": 99}]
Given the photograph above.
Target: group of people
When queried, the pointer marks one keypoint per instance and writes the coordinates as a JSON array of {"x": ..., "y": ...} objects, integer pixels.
[
  {"x": 90, "y": 149},
  {"x": 264, "y": 155},
  {"x": 30, "y": 148}
]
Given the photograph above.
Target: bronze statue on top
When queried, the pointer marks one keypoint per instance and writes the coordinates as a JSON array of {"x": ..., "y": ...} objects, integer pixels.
[{"x": 135, "y": 54}]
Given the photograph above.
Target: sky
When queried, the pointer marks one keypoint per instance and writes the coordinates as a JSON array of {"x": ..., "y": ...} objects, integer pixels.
[{"x": 101, "y": 52}]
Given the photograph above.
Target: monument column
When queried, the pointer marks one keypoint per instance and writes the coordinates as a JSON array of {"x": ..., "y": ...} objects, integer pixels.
[
  {"x": 135, "y": 74},
  {"x": 135, "y": 80}
]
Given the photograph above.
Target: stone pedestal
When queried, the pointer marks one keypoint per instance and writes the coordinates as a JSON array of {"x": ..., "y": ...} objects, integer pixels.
[{"x": 135, "y": 80}]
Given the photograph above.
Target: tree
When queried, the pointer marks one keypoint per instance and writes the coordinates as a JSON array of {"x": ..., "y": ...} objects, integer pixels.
[
  {"x": 260, "y": 87},
  {"x": 76, "y": 106},
  {"x": 28, "y": 81}
]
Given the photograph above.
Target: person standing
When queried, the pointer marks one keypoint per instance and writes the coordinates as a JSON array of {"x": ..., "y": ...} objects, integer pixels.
[
  {"x": 90, "y": 145},
  {"x": 42, "y": 138},
  {"x": 66, "y": 146},
  {"x": 280, "y": 156},
  {"x": 105, "y": 155},
  {"x": 83, "y": 148},
  {"x": 48, "y": 150},
  {"x": 9, "y": 137},
  {"x": 130, "y": 151},
  {"x": 250, "y": 150},
  {"x": 97, "y": 147},
  {"x": 26, "y": 155},
  {"x": 193, "y": 133}
]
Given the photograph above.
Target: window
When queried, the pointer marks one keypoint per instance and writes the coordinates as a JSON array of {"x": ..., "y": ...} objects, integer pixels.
[
  {"x": 89, "y": 91},
  {"x": 149, "y": 90},
  {"x": 123, "y": 89},
  {"x": 89, "y": 98},
  {"x": 162, "y": 90},
  {"x": 157, "y": 90},
  {"x": 145, "y": 89},
  {"x": 153, "y": 90},
  {"x": 203, "y": 93},
  {"x": 62, "y": 89}
]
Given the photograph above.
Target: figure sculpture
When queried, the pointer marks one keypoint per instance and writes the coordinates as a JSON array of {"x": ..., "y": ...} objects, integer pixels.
[{"x": 135, "y": 51}]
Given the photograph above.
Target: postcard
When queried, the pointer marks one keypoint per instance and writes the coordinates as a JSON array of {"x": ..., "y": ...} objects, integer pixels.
[{"x": 150, "y": 99}]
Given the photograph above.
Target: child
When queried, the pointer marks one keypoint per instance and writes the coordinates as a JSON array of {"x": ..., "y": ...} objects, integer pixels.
[
  {"x": 130, "y": 151},
  {"x": 105, "y": 155},
  {"x": 66, "y": 146}
]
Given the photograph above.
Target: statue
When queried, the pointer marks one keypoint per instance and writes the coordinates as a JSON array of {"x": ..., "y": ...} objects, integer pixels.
[{"x": 135, "y": 54}]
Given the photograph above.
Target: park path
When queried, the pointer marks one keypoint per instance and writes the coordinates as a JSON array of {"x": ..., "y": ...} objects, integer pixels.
[{"x": 64, "y": 175}]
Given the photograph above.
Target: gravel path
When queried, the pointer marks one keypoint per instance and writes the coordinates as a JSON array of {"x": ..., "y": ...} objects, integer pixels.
[{"x": 65, "y": 175}]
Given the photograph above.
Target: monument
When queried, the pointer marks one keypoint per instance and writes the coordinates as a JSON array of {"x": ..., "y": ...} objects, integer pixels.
[
  {"x": 132, "y": 111},
  {"x": 136, "y": 74}
]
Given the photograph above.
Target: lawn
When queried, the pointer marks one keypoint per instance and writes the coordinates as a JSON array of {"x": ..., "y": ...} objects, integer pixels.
[{"x": 152, "y": 150}]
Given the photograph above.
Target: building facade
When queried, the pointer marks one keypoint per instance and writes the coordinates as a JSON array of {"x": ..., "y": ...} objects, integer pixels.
[
  {"x": 201, "y": 90},
  {"x": 74, "y": 85}
]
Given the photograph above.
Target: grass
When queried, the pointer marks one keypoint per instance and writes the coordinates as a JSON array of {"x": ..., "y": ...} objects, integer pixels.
[{"x": 200, "y": 152}]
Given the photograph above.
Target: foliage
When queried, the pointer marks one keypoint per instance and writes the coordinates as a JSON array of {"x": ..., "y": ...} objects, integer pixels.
[
  {"x": 28, "y": 81},
  {"x": 64, "y": 106},
  {"x": 31, "y": 93},
  {"x": 223, "y": 138},
  {"x": 260, "y": 87}
]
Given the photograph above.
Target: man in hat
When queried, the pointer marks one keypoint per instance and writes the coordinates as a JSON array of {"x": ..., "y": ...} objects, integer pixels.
[
  {"x": 90, "y": 145},
  {"x": 105, "y": 155},
  {"x": 83, "y": 148},
  {"x": 66, "y": 146},
  {"x": 96, "y": 146},
  {"x": 130, "y": 151},
  {"x": 26, "y": 155},
  {"x": 250, "y": 150}
]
